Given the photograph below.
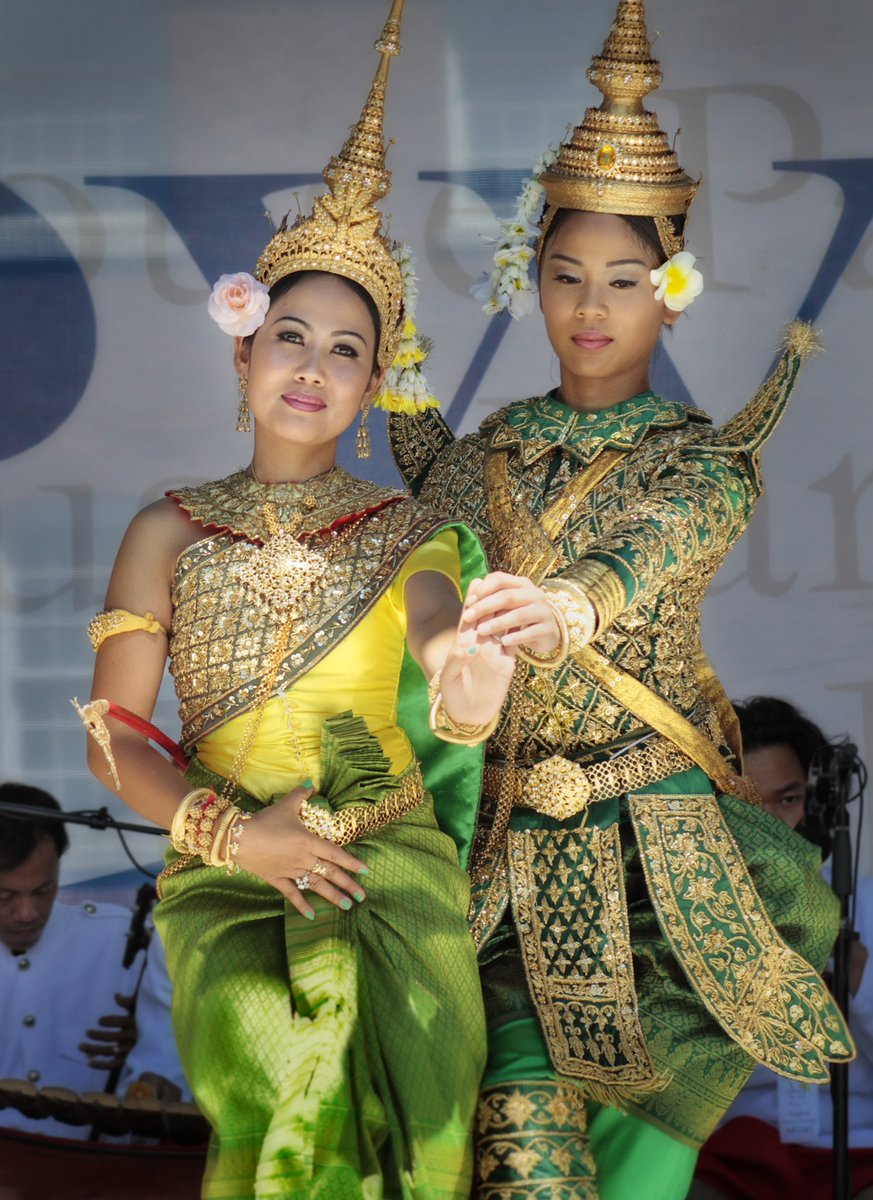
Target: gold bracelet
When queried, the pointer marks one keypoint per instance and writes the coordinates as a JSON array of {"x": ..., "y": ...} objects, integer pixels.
[
  {"x": 360, "y": 820},
  {"x": 554, "y": 658},
  {"x": 215, "y": 857},
  {"x": 578, "y": 611},
  {"x": 177, "y": 828},
  {"x": 235, "y": 830},
  {"x": 444, "y": 726}
]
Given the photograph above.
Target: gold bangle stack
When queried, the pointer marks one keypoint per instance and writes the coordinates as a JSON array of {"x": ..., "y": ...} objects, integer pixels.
[
  {"x": 199, "y": 822},
  {"x": 578, "y": 612},
  {"x": 601, "y": 585},
  {"x": 444, "y": 726}
]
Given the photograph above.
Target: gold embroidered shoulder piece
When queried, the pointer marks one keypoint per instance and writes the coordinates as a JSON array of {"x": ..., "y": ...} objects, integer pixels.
[
  {"x": 118, "y": 620},
  {"x": 416, "y": 443}
]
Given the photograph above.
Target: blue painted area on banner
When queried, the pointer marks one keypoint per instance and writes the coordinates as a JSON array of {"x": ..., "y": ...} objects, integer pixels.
[
  {"x": 216, "y": 216},
  {"x": 47, "y": 336},
  {"x": 855, "y": 179}
]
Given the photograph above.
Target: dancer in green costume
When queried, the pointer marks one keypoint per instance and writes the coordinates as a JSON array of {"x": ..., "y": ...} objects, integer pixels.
[
  {"x": 645, "y": 930},
  {"x": 332, "y": 1029}
]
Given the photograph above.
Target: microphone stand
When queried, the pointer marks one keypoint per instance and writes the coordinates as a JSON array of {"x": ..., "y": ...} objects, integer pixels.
[
  {"x": 138, "y": 938},
  {"x": 841, "y": 881},
  {"x": 94, "y": 818}
]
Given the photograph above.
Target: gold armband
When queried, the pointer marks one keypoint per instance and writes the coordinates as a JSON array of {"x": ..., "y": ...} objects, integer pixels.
[
  {"x": 577, "y": 610},
  {"x": 444, "y": 726},
  {"x": 119, "y": 620}
]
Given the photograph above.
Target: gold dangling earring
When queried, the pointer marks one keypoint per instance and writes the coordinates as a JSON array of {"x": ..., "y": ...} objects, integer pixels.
[
  {"x": 243, "y": 412},
  {"x": 362, "y": 441}
]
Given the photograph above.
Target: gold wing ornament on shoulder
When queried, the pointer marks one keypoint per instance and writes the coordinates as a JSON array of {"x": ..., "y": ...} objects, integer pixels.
[{"x": 751, "y": 427}]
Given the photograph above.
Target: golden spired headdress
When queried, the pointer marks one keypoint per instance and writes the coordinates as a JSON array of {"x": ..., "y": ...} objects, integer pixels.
[
  {"x": 343, "y": 235},
  {"x": 619, "y": 160}
]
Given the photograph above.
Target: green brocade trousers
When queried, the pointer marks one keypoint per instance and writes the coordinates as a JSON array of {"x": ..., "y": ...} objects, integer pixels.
[{"x": 339, "y": 1058}]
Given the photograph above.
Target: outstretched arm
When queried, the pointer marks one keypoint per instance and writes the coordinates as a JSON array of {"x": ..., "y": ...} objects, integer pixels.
[{"x": 476, "y": 669}]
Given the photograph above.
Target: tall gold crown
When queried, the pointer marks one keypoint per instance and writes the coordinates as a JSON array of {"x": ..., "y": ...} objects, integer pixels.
[
  {"x": 343, "y": 235},
  {"x": 619, "y": 160}
]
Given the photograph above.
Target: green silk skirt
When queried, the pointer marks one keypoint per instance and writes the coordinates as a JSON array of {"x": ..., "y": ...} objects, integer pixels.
[{"x": 339, "y": 1058}]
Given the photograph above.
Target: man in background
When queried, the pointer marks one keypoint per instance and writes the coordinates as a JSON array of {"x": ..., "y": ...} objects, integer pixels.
[
  {"x": 60, "y": 965},
  {"x": 776, "y": 1139}
]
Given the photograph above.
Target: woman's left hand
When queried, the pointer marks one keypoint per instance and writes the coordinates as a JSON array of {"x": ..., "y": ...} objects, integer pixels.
[
  {"x": 476, "y": 675},
  {"x": 513, "y": 609}
]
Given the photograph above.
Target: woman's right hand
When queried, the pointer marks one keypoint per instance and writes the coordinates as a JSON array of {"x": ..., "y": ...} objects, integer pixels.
[{"x": 278, "y": 848}]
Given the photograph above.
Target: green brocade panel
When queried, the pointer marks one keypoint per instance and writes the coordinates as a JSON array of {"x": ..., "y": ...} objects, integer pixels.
[{"x": 772, "y": 910}]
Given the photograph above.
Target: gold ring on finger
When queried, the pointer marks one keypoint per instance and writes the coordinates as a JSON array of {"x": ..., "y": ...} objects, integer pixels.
[{"x": 318, "y": 868}]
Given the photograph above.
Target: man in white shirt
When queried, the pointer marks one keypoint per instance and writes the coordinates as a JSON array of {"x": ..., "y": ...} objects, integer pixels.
[{"x": 60, "y": 965}]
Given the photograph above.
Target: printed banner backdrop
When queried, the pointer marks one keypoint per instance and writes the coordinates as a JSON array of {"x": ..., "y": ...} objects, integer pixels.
[{"x": 140, "y": 147}]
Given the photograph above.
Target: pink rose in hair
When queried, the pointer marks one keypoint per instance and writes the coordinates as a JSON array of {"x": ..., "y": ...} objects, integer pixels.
[{"x": 238, "y": 304}]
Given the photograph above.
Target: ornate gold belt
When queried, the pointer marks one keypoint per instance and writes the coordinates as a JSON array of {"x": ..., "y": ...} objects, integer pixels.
[
  {"x": 352, "y": 823},
  {"x": 561, "y": 788}
]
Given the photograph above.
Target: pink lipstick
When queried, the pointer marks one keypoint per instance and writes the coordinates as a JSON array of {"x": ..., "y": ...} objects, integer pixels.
[{"x": 303, "y": 402}]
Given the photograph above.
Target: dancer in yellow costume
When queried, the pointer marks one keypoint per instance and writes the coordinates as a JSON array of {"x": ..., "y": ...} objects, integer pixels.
[
  {"x": 645, "y": 929},
  {"x": 332, "y": 1029}
]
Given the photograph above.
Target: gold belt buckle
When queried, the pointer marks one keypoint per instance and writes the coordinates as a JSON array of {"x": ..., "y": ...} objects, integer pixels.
[{"x": 557, "y": 788}]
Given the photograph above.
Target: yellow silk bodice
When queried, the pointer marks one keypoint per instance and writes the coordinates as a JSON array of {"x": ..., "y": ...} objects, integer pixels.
[{"x": 361, "y": 673}]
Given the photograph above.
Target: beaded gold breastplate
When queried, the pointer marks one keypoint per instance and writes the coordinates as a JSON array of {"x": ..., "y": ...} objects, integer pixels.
[{"x": 316, "y": 557}]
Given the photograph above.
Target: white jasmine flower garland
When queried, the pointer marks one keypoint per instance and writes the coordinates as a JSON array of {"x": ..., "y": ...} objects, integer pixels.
[{"x": 509, "y": 286}]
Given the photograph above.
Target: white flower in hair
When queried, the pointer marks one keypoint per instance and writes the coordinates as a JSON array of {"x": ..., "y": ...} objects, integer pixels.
[
  {"x": 677, "y": 281},
  {"x": 239, "y": 304},
  {"x": 508, "y": 288}
]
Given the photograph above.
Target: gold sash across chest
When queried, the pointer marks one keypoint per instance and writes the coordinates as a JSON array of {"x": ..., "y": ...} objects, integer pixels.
[
  {"x": 525, "y": 545},
  {"x": 521, "y": 543}
]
